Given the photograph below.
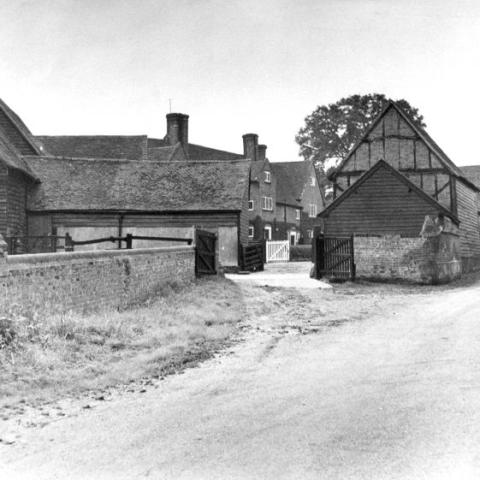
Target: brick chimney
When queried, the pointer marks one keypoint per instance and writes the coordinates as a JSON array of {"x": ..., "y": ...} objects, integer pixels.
[
  {"x": 250, "y": 146},
  {"x": 261, "y": 152},
  {"x": 177, "y": 130}
]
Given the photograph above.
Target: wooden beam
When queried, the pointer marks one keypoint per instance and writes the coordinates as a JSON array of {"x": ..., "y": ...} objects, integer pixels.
[{"x": 443, "y": 188}]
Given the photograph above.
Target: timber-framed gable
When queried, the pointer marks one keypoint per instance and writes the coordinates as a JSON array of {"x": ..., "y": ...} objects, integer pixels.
[{"x": 396, "y": 139}]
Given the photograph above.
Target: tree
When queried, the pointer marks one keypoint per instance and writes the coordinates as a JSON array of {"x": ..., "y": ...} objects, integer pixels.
[{"x": 331, "y": 131}]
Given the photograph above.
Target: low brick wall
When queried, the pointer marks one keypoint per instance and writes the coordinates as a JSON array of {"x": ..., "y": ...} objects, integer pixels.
[
  {"x": 91, "y": 281},
  {"x": 422, "y": 260}
]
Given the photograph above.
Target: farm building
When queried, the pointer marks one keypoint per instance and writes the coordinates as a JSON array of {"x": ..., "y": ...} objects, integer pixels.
[
  {"x": 393, "y": 178},
  {"x": 159, "y": 191}
]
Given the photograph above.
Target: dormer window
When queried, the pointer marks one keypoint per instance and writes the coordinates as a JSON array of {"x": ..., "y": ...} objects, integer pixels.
[
  {"x": 312, "y": 181},
  {"x": 267, "y": 177}
]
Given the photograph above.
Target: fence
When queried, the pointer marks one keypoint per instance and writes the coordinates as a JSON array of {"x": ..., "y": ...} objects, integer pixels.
[
  {"x": 127, "y": 239},
  {"x": 252, "y": 257}
]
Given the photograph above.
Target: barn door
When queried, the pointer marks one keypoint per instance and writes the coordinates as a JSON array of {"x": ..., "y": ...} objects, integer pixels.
[
  {"x": 205, "y": 243},
  {"x": 334, "y": 257}
]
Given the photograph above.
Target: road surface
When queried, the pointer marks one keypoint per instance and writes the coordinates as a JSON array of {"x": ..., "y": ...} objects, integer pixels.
[{"x": 323, "y": 385}]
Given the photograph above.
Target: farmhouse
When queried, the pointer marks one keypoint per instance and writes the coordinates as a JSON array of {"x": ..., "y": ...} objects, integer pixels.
[
  {"x": 393, "y": 178},
  {"x": 285, "y": 197}
]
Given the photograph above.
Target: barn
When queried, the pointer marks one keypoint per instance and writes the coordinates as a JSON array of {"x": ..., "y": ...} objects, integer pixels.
[
  {"x": 396, "y": 176},
  {"x": 102, "y": 197}
]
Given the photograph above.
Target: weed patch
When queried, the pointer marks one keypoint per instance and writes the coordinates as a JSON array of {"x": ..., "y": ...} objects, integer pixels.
[{"x": 44, "y": 357}]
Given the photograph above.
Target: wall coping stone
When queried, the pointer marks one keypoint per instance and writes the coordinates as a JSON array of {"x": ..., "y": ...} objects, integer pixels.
[{"x": 33, "y": 258}]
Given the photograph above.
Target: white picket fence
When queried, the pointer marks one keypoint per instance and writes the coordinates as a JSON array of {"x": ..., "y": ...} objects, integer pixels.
[{"x": 278, "y": 251}]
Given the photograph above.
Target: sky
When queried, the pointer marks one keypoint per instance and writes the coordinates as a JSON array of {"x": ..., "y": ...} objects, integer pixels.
[{"x": 239, "y": 66}]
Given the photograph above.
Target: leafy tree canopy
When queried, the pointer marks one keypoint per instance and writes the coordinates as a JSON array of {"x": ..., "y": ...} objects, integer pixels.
[{"x": 331, "y": 131}]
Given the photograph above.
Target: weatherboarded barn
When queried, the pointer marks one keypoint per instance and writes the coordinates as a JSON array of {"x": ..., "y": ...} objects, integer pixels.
[
  {"x": 97, "y": 198},
  {"x": 394, "y": 177}
]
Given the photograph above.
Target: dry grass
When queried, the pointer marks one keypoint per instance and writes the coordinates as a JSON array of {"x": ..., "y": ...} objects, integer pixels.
[{"x": 44, "y": 357}]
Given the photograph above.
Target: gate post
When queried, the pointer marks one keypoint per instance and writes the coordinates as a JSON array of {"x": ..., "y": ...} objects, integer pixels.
[
  {"x": 353, "y": 267},
  {"x": 128, "y": 241}
]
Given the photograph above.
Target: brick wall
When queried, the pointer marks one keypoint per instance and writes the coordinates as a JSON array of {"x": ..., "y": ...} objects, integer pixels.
[
  {"x": 424, "y": 260},
  {"x": 91, "y": 281}
]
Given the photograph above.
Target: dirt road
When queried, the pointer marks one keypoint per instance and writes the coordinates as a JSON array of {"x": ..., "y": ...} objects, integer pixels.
[{"x": 367, "y": 382}]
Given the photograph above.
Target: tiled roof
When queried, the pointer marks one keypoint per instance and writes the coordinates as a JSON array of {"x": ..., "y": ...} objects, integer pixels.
[
  {"x": 199, "y": 152},
  {"x": 12, "y": 159},
  {"x": 258, "y": 167},
  {"x": 86, "y": 184},
  {"x": 472, "y": 173},
  {"x": 291, "y": 179},
  {"x": 16, "y": 132},
  {"x": 162, "y": 154},
  {"x": 131, "y": 147}
]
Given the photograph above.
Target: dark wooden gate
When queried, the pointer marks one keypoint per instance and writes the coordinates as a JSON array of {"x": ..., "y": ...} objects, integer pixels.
[
  {"x": 205, "y": 253},
  {"x": 334, "y": 257}
]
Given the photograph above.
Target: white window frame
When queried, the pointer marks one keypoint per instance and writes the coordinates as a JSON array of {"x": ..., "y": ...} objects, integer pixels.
[
  {"x": 267, "y": 203},
  {"x": 309, "y": 233},
  {"x": 251, "y": 205},
  {"x": 312, "y": 181},
  {"x": 297, "y": 214},
  {"x": 268, "y": 229},
  {"x": 312, "y": 210},
  {"x": 268, "y": 177},
  {"x": 251, "y": 231}
]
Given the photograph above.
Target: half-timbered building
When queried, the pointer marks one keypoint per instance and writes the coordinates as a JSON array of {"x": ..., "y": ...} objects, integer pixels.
[{"x": 396, "y": 175}]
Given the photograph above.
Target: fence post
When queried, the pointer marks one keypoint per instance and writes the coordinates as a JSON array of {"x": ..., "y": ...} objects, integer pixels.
[
  {"x": 129, "y": 240},
  {"x": 68, "y": 243}
]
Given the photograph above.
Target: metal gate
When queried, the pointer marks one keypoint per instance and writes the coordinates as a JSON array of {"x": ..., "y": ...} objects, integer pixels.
[
  {"x": 205, "y": 243},
  {"x": 278, "y": 251},
  {"x": 334, "y": 257}
]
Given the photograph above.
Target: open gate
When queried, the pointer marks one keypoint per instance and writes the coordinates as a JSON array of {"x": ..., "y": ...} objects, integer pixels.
[
  {"x": 277, "y": 251},
  {"x": 334, "y": 257},
  {"x": 205, "y": 243}
]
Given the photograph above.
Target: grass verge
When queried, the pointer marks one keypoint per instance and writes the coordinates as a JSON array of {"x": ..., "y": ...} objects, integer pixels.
[{"x": 43, "y": 358}]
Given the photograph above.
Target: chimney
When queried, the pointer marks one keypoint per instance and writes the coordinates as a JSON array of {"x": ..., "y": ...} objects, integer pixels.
[
  {"x": 250, "y": 144},
  {"x": 261, "y": 154},
  {"x": 177, "y": 130}
]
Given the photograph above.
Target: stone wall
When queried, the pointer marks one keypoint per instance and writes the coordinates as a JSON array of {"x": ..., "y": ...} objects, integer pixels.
[
  {"x": 91, "y": 281},
  {"x": 430, "y": 260}
]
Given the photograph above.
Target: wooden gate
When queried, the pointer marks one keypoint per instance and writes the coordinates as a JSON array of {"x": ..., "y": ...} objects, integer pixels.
[
  {"x": 334, "y": 257},
  {"x": 278, "y": 251},
  {"x": 205, "y": 243}
]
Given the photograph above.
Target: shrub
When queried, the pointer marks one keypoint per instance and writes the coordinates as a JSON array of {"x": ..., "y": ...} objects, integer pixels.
[{"x": 300, "y": 253}]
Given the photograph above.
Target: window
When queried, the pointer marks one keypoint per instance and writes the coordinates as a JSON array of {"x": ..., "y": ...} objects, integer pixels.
[
  {"x": 312, "y": 181},
  {"x": 251, "y": 231},
  {"x": 312, "y": 210},
  {"x": 267, "y": 177},
  {"x": 250, "y": 205},
  {"x": 297, "y": 214},
  {"x": 267, "y": 203},
  {"x": 267, "y": 232},
  {"x": 309, "y": 233}
]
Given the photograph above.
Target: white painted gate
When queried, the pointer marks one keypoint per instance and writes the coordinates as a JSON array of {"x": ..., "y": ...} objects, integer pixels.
[{"x": 278, "y": 251}]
